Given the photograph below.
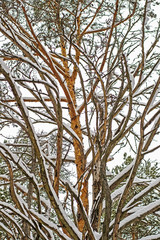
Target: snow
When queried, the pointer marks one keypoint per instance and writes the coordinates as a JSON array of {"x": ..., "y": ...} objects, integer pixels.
[
  {"x": 79, "y": 9},
  {"x": 18, "y": 162},
  {"x": 74, "y": 192},
  {"x": 71, "y": 132},
  {"x": 156, "y": 120},
  {"x": 51, "y": 234},
  {"x": 28, "y": 52},
  {"x": 4, "y": 66},
  {"x": 14, "y": 119},
  {"x": 16, "y": 211},
  {"x": 4, "y": 147},
  {"x": 150, "y": 237},
  {"x": 158, "y": 213},
  {"x": 131, "y": 77},
  {"x": 123, "y": 172},
  {"x": 108, "y": 173},
  {"x": 117, "y": 192},
  {"x": 73, "y": 189},
  {"x": 22, "y": 4},
  {"x": 22, "y": 203},
  {"x": 97, "y": 235},
  {"x": 41, "y": 232},
  {"x": 96, "y": 201},
  {"x": 74, "y": 135},
  {"x": 64, "y": 158},
  {"x": 141, "y": 180},
  {"x": 6, "y": 229},
  {"x": 44, "y": 201},
  {"x": 49, "y": 224},
  {"x": 152, "y": 185},
  {"x": 5, "y": 31},
  {"x": 59, "y": 208},
  {"x": 141, "y": 212},
  {"x": 12, "y": 219},
  {"x": 154, "y": 105},
  {"x": 4, "y": 177},
  {"x": 148, "y": 8},
  {"x": 38, "y": 68},
  {"x": 154, "y": 97}
]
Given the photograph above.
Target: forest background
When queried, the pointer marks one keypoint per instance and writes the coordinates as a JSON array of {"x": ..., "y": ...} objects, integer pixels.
[{"x": 79, "y": 89}]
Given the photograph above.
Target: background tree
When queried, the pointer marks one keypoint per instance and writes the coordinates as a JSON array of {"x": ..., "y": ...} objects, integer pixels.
[
  {"x": 146, "y": 174},
  {"x": 81, "y": 81}
]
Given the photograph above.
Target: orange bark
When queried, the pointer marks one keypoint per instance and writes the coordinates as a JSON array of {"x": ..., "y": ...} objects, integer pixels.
[
  {"x": 80, "y": 165},
  {"x": 76, "y": 127},
  {"x": 71, "y": 99}
]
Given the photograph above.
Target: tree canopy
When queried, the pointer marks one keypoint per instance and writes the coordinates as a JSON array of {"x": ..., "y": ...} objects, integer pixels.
[{"x": 79, "y": 81}]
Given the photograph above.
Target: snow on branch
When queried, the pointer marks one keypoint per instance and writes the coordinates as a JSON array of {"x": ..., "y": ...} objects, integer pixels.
[{"x": 140, "y": 213}]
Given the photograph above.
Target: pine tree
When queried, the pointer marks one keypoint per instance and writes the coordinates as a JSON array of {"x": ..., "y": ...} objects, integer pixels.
[
  {"x": 79, "y": 81},
  {"x": 147, "y": 172}
]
